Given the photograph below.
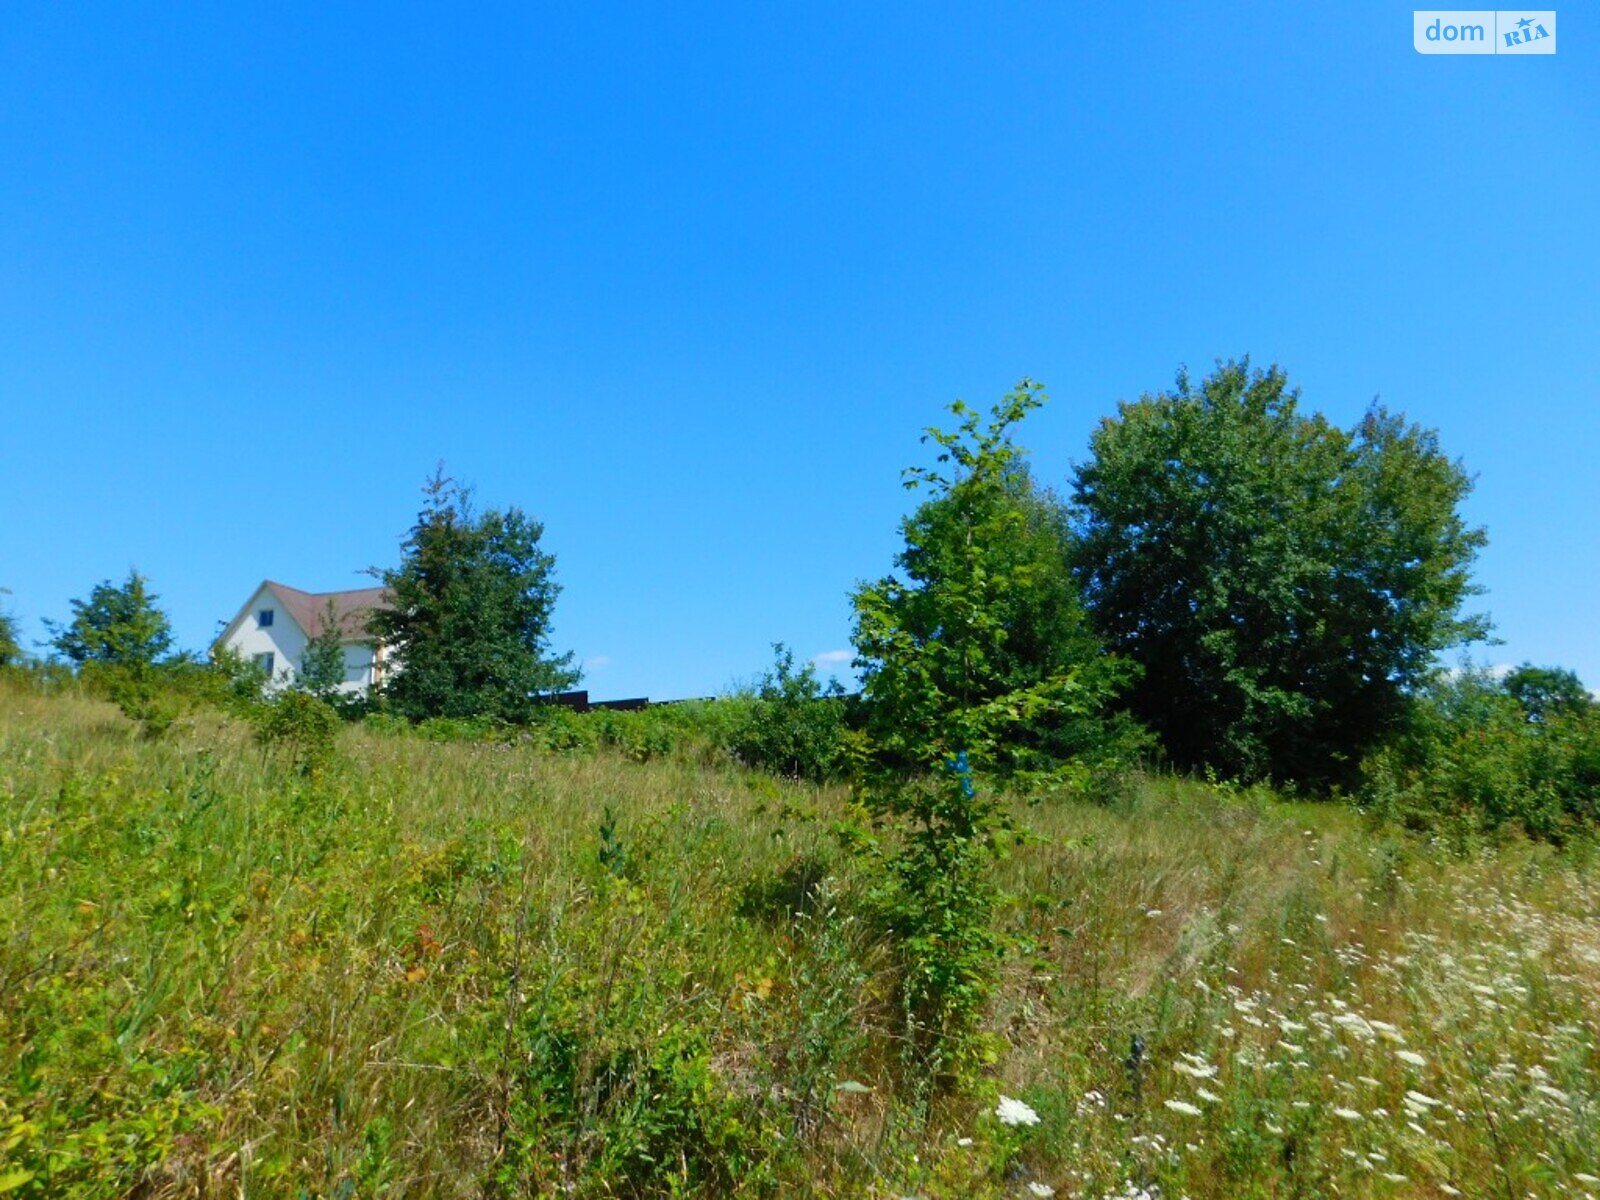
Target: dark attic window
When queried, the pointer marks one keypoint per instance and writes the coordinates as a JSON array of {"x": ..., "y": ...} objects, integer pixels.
[{"x": 264, "y": 618}]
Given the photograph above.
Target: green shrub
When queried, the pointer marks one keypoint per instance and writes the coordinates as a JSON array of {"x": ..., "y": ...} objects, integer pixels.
[
  {"x": 1475, "y": 759},
  {"x": 301, "y": 725},
  {"x": 638, "y": 1111},
  {"x": 464, "y": 729},
  {"x": 555, "y": 727},
  {"x": 792, "y": 726},
  {"x": 934, "y": 891},
  {"x": 640, "y": 734}
]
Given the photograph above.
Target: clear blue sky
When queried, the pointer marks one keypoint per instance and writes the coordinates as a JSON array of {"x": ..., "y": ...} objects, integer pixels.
[{"x": 685, "y": 281}]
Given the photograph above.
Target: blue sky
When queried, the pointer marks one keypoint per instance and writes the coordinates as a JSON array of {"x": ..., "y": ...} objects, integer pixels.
[{"x": 686, "y": 281}]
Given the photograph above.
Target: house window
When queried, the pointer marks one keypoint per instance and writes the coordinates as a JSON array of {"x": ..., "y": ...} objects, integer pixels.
[
  {"x": 264, "y": 618},
  {"x": 268, "y": 662}
]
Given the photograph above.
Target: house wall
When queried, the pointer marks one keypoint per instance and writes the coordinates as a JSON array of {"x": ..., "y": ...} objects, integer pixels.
[{"x": 287, "y": 642}]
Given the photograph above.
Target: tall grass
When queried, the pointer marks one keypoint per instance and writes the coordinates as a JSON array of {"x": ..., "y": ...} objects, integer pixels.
[{"x": 480, "y": 969}]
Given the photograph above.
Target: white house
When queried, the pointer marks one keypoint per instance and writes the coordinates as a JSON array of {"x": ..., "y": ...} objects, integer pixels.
[{"x": 273, "y": 627}]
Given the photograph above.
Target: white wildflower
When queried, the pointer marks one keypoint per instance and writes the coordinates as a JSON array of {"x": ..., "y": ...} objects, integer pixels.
[
  {"x": 1208, "y": 1096},
  {"x": 1412, "y": 1057},
  {"x": 1184, "y": 1107},
  {"x": 1194, "y": 1072},
  {"x": 1015, "y": 1112},
  {"x": 1348, "y": 1114},
  {"x": 1041, "y": 1189}
]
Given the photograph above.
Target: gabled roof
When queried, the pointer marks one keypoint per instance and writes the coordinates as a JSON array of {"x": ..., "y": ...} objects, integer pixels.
[
  {"x": 306, "y": 609},
  {"x": 350, "y": 609}
]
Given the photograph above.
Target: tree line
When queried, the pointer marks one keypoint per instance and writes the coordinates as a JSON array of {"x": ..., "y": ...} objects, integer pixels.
[{"x": 1229, "y": 584}]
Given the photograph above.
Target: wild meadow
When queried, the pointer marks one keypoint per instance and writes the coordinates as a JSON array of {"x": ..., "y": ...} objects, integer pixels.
[{"x": 490, "y": 968}]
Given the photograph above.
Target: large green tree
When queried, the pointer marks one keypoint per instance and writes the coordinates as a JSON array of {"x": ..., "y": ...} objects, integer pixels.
[
  {"x": 1547, "y": 692},
  {"x": 470, "y": 617},
  {"x": 980, "y": 644},
  {"x": 1283, "y": 582},
  {"x": 117, "y": 626}
]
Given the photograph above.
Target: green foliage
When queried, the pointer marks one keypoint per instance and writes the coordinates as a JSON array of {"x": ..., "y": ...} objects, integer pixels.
[
  {"x": 322, "y": 661},
  {"x": 983, "y": 647},
  {"x": 472, "y": 599},
  {"x": 1283, "y": 583},
  {"x": 936, "y": 895},
  {"x": 118, "y": 626},
  {"x": 648, "y": 1117},
  {"x": 792, "y": 725},
  {"x": 11, "y": 653},
  {"x": 235, "y": 682},
  {"x": 144, "y": 694},
  {"x": 981, "y": 650},
  {"x": 1475, "y": 759},
  {"x": 1546, "y": 692},
  {"x": 303, "y": 727}
]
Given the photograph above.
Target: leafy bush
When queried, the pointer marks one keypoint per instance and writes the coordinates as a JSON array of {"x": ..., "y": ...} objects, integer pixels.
[
  {"x": 1476, "y": 758},
  {"x": 464, "y": 729},
  {"x": 233, "y": 682},
  {"x": 141, "y": 691},
  {"x": 792, "y": 726},
  {"x": 789, "y": 727},
  {"x": 641, "y": 1109},
  {"x": 301, "y": 725},
  {"x": 555, "y": 727},
  {"x": 936, "y": 894}
]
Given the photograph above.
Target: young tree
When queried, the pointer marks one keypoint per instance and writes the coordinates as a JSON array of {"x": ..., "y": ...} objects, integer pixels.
[
  {"x": 1284, "y": 583},
  {"x": 322, "y": 661},
  {"x": 116, "y": 626},
  {"x": 472, "y": 599},
  {"x": 983, "y": 646},
  {"x": 978, "y": 657}
]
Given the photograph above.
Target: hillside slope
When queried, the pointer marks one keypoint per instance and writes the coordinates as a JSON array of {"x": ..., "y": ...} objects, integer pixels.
[{"x": 468, "y": 969}]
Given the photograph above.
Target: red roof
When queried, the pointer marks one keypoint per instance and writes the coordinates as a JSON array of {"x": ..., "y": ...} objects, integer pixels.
[{"x": 350, "y": 609}]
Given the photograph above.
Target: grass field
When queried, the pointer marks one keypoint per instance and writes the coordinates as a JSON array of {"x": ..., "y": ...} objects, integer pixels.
[{"x": 466, "y": 969}]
